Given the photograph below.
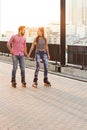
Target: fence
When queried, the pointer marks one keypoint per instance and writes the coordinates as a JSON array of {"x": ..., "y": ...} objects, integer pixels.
[
  {"x": 77, "y": 55},
  {"x": 53, "y": 49}
]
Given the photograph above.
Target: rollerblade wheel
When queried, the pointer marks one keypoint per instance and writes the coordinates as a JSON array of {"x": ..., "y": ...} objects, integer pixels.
[
  {"x": 24, "y": 85},
  {"x": 34, "y": 85},
  {"x": 47, "y": 85},
  {"x": 14, "y": 85}
]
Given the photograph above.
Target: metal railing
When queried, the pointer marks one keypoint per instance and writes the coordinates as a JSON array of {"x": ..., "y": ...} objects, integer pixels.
[
  {"x": 53, "y": 49},
  {"x": 77, "y": 55}
]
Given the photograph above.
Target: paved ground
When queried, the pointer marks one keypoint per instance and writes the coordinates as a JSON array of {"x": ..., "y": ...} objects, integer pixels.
[
  {"x": 68, "y": 71},
  {"x": 61, "y": 107}
]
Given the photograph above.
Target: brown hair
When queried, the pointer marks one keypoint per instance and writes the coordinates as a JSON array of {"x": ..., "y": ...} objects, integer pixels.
[
  {"x": 43, "y": 35},
  {"x": 20, "y": 28}
]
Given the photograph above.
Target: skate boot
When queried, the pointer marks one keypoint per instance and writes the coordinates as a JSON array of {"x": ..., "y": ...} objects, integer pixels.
[
  {"x": 35, "y": 83},
  {"x": 46, "y": 82},
  {"x": 23, "y": 82},
  {"x": 13, "y": 83}
]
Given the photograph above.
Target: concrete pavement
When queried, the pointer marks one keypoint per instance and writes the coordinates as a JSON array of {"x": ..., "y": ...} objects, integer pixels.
[{"x": 61, "y": 107}]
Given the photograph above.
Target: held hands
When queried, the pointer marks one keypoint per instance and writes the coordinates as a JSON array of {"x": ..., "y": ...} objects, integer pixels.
[{"x": 28, "y": 56}]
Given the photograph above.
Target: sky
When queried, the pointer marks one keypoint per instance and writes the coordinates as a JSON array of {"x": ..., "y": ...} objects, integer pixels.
[{"x": 28, "y": 12}]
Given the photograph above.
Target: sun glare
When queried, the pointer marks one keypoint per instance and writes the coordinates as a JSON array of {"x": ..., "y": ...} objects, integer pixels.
[{"x": 28, "y": 12}]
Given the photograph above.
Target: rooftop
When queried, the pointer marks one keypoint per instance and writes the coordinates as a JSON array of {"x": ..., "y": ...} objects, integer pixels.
[{"x": 61, "y": 107}]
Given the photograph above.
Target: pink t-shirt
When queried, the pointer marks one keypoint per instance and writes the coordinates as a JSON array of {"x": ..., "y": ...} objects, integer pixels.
[{"x": 18, "y": 44}]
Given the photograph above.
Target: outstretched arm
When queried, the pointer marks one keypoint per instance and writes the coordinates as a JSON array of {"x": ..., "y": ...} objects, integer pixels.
[
  {"x": 25, "y": 52},
  {"x": 31, "y": 49}
]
